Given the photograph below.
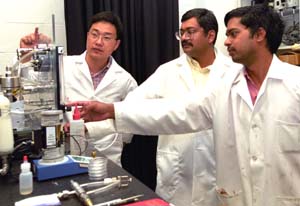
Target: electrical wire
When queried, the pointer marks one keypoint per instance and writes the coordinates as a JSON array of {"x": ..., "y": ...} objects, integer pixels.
[
  {"x": 74, "y": 137},
  {"x": 105, "y": 148}
]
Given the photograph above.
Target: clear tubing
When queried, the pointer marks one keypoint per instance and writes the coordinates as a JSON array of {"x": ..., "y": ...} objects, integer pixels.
[{"x": 104, "y": 189}]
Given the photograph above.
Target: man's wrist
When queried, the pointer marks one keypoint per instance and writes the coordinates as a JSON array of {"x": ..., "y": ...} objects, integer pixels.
[{"x": 111, "y": 111}]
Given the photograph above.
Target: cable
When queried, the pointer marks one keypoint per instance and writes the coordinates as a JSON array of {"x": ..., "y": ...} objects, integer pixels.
[
  {"x": 105, "y": 148},
  {"x": 74, "y": 137}
]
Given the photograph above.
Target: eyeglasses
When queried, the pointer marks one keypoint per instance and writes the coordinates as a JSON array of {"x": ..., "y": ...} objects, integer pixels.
[
  {"x": 94, "y": 35},
  {"x": 189, "y": 33}
]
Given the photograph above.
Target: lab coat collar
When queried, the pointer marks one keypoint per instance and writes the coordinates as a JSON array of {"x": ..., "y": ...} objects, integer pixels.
[
  {"x": 185, "y": 71},
  {"x": 109, "y": 77},
  {"x": 275, "y": 71},
  {"x": 82, "y": 65},
  {"x": 219, "y": 60},
  {"x": 188, "y": 59},
  {"x": 217, "y": 69},
  {"x": 81, "y": 59}
]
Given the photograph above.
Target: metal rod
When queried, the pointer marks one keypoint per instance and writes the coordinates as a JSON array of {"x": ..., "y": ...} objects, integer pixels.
[{"x": 53, "y": 28}]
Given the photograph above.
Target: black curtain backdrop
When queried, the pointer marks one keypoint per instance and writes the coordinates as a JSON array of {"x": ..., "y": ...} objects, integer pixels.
[{"x": 148, "y": 41}]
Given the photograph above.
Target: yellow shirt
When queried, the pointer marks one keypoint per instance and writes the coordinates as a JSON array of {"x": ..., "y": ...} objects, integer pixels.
[{"x": 200, "y": 75}]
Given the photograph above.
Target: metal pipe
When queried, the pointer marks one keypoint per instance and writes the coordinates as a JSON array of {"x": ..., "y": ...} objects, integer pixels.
[
  {"x": 53, "y": 28},
  {"x": 81, "y": 194},
  {"x": 5, "y": 166}
]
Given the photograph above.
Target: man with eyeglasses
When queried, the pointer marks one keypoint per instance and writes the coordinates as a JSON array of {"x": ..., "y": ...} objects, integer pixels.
[
  {"x": 185, "y": 164},
  {"x": 95, "y": 75}
]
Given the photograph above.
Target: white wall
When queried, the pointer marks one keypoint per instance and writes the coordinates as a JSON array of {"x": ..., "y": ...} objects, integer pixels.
[
  {"x": 220, "y": 10},
  {"x": 20, "y": 17}
]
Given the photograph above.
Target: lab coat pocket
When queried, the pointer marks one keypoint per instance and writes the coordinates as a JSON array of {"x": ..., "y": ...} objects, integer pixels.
[
  {"x": 288, "y": 135},
  {"x": 288, "y": 201},
  {"x": 229, "y": 198},
  {"x": 168, "y": 173}
]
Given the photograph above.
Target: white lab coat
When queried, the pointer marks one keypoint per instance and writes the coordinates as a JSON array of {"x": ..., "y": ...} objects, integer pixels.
[
  {"x": 185, "y": 163},
  {"x": 257, "y": 146},
  {"x": 115, "y": 86}
]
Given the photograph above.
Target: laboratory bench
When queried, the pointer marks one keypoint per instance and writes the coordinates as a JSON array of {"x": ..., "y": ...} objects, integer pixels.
[
  {"x": 289, "y": 54},
  {"x": 9, "y": 187}
]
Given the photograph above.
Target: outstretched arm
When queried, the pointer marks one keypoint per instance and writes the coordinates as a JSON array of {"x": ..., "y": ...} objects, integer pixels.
[{"x": 94, "y": 111}]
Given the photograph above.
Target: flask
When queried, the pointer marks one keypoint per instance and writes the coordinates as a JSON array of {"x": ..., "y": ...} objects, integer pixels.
[
  {"x": 6, "y": 131},
  {"x": 77, "y": 142},
  {"x": 25, "y": 178}
]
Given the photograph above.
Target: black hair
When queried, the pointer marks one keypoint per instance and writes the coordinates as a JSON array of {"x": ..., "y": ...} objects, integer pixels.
[
  {"x": 110, "y": 17},
  {"x": 205, "y": 18},
  {"x": 260, "y": 16}
]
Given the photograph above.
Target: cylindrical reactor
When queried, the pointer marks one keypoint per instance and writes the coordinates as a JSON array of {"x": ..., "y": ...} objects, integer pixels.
[
  {"x": 51, "y": 122},
  {"x": 6, "y": 131}
]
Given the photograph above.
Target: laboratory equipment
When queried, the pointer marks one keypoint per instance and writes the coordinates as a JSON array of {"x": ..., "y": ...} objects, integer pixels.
[
  {"x": 83, "y": 192},
  {"x": 152, "y": 201},
  {"x": 78, "y": 144},
  {"x": 25, "y": 178},
  {"x": 6, "y": 133},
  {"x": 97, "y": 168},
  {"x": 32, "y": 87},
  {"x": 53, "y": 142},
  {"x": 120, "y": 201},
  {"x": 289, "y": 11},
  {"x": 101, "y": 186}
]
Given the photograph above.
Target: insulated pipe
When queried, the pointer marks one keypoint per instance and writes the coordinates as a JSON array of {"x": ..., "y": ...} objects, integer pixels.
[{"x": 5, "y": 166}]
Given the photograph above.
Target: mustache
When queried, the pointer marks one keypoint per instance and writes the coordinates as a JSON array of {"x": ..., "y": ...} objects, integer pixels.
[
  {"x": 186, "y": 43},
  {"x": 229, "y": 49}
]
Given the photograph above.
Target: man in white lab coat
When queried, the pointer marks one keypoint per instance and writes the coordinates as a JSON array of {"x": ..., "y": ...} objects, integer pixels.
[
  {"x": 186, "y": 162},
  {"x": 95, "y": 75},
  {"x": 254, "y": 113}
]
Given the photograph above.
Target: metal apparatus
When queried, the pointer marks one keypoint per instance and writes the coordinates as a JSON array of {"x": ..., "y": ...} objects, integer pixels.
[
  {"x": 53, "y": 143},
  {"x": 6, "y": 134},
  {"x": 85, "y": 192},
  {"x": 32, "y": 87},
  {"x": 101, "y": 186},
  {"x": 289, "y": 10}
]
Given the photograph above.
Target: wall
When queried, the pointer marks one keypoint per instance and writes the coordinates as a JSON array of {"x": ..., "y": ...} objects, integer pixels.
[
  {"x": 20, "y": 17},
  {"x": 219, "y": 11}
]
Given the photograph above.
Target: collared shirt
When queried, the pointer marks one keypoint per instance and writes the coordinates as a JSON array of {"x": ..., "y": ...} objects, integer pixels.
[
  {"x": 253, "y": 90},
  {"x": 97, "y": 77},
  {"x": 200, "y": 75}
]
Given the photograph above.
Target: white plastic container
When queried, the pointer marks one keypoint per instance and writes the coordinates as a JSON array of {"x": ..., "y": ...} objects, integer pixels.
[
  {"x": 25, "y": 178},
  {"x": 6, "y": 131},
  {"x": 77, "y": 136}
]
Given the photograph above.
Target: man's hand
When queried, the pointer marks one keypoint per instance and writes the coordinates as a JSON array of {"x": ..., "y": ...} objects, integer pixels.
[
  {"x": 94, "y": 111},
  {"x": 31, "y": 40}
]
